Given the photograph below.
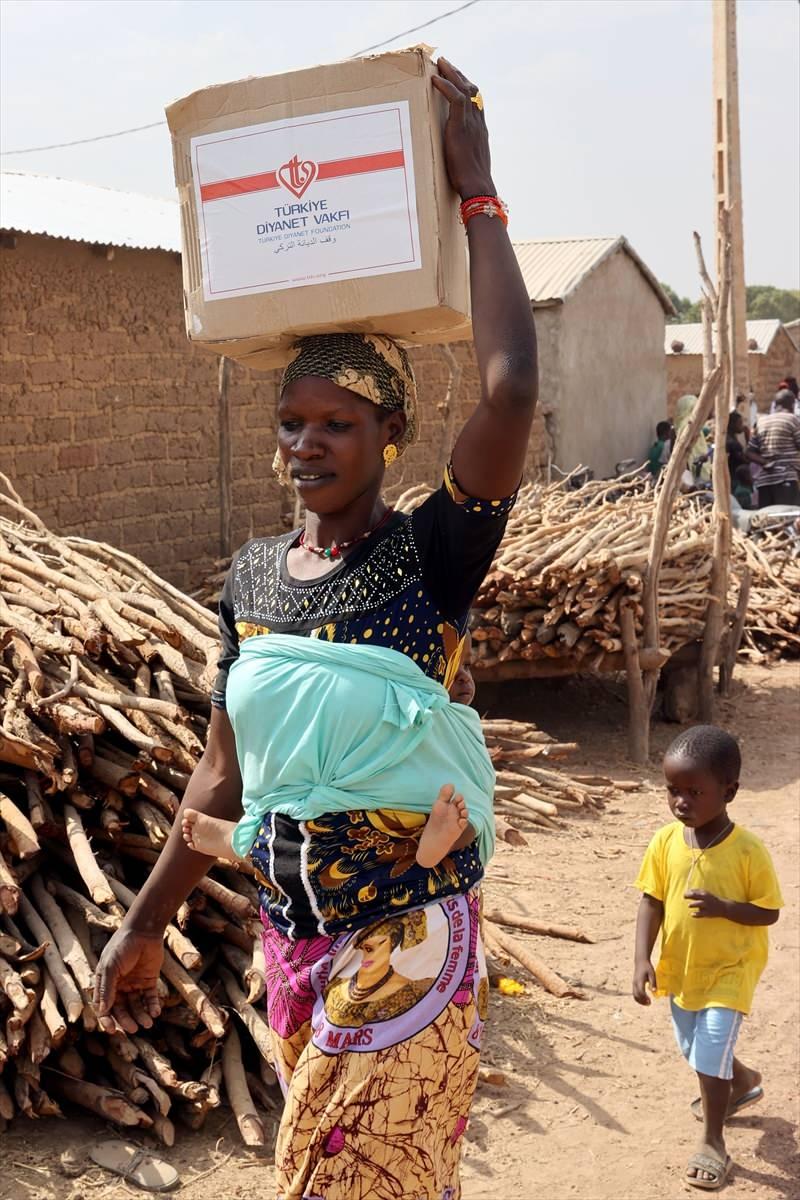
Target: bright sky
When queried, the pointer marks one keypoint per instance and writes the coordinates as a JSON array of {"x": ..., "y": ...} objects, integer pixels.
[{"x": 600, "y": 110}]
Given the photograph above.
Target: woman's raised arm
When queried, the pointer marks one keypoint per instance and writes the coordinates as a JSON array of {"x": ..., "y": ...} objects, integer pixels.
[{"x": 489, "y": 455}]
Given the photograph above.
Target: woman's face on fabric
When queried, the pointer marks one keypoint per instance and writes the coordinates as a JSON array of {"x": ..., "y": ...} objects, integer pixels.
[
  {"x": 332, "y": 442},
  {"x": 376, "y": 951}
]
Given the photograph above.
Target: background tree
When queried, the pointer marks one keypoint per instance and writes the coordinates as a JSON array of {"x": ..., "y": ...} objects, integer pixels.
[
  {"x": 688, "y": 311},
  {"x": 764, "y": 302}
]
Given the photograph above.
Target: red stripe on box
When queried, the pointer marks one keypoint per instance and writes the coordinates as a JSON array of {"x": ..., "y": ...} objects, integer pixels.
[
  {"x": 266, "y": 181},
  {"x": 238, "y": 187},
  {"x": 364, "y": 165}
]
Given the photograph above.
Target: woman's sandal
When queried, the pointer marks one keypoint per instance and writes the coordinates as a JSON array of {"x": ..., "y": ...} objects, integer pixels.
[
  {"x": 752, "y": 1097},
  {"x": 711, "y": 1166},
  {"x": 135, "y": 1165}
]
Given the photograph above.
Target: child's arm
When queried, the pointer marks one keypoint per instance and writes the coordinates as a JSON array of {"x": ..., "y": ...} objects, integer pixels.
[
  {"x": 648, "y": 923},
  {"x": 705, "y": 904}
]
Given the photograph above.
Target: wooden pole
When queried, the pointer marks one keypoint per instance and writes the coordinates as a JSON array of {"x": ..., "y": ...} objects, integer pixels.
[
  {"x": 641, "y": 701},
  {"x": 638, "y": 708},
  {"x": 718, "y": 583},
  {"x": 734, "y": 635},
  {"x": 708, "y": 307},
  {"x": 225, "y": 460},
  {"x": 728, "y": 178}
]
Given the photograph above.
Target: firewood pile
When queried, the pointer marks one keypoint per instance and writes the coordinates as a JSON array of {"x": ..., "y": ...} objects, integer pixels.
[
  {"x": 104, "y": 679},
  {"x": 569, "y": 558},
  {"x": 531, "y": 794},
  {"x": 772, "y": 629},
  {"x": 208, "y": 591}
]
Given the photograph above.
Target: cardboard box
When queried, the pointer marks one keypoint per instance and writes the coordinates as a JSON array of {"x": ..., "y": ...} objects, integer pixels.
[{"x": 318, "y": 201}]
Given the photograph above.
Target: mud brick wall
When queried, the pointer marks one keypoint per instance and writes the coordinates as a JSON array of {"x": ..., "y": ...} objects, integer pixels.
[
  {"x": 782, "y": 359},
  {"x": 108, "y": 417}
]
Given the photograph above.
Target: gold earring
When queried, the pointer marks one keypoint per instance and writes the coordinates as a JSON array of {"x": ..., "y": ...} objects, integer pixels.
[
  {"x": 390, "y": 453},
  {"x": 280, "y": 471}
]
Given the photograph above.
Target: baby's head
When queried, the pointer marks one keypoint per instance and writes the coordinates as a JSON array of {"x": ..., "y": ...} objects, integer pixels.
[
  {"x": 702, "y": 768},
  {"x": 462, "y": 687}
]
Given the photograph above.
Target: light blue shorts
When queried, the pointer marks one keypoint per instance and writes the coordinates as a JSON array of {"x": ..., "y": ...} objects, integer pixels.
[{"x": 707, "y": 1038}]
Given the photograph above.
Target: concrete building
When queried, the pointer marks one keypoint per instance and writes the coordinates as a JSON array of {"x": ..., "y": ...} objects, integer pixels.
[
  {"x": 600, "y": 322},
  {"x": 109, "y": 423},
  {"x": 771, "y": 356}
]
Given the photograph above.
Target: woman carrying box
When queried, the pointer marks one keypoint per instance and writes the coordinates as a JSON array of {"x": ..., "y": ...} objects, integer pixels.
[{"x": 377, "y": 984}]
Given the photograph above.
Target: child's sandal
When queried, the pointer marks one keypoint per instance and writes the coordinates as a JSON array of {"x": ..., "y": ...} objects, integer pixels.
[
  {"x": 752, "y": 1097},
  {"x": 712, "y": 1166}
]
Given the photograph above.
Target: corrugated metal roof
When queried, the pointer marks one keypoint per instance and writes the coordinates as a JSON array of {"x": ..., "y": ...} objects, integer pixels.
[
  {"x": 553, "y": 268},
  {"x": 761, "y": 332},
  {"x": 83, "y": 212}
]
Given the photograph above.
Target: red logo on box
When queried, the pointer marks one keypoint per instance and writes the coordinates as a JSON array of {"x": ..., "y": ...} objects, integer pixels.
[{"x": 297, "y": 176}]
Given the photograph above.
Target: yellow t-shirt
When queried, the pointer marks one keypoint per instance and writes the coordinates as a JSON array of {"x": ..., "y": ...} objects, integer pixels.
[{"x": 709, "y": 962}]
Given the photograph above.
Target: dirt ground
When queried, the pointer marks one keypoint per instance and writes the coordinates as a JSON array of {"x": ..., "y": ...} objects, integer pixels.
[{"x": 597, "y": 1097}]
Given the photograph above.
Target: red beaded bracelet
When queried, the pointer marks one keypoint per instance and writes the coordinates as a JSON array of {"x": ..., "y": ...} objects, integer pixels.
[{"x": 488, "y": 206}]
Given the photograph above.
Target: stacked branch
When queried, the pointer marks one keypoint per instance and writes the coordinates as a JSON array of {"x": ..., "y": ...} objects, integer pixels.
[
  {"x": 105, "y": 672},
  {"x": 772, "y": 557},
  {"x": 533, "y": 790},
  {"x": 572, "y": 560}
]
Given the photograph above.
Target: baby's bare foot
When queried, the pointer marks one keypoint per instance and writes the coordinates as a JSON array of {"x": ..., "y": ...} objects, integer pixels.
[
  {"x": 445, "y": 825},
  {"x": 209, "y": 835}
]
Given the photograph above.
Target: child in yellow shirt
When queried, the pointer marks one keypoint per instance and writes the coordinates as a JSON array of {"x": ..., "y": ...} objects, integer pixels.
[{"x": 710, "y": 888}]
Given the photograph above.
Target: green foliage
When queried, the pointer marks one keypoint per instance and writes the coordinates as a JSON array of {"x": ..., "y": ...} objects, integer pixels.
[
  {"x": 765, "y": 302},
  {"x": 687, "y": 310}
]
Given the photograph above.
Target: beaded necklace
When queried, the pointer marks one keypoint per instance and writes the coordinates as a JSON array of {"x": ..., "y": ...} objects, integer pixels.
[
  {"x": 335, "y": 549},
  {"x": 361, "y": 993}
]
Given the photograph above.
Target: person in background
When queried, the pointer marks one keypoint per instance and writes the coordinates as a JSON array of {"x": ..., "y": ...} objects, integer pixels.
[
  {"x": 659, "y": 452},
  {"x": 742, "y": 407},
  {"x": 775, "y": 446},
  {"x": 735, "y": 445},
  {"x": 699, "y": 461},
  {"x": 790, "y": 384},
  {"x": 742, "y": 486},
  {"x": 752, "y": 411}
]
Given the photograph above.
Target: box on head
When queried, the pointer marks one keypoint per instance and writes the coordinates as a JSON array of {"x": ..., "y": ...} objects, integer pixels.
[{"x": 318, "y": 201}]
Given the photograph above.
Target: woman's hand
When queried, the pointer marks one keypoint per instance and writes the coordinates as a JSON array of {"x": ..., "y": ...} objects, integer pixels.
[
  {"x": 126, "y": 982},
  {"x": 466, "y": 139}
]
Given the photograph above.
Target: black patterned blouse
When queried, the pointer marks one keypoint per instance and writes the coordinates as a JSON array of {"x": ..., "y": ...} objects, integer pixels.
[{"x": 408, "y": 587}]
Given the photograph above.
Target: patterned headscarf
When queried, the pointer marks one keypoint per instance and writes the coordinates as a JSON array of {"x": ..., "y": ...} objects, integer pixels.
[{"x": 371, "y": 365}]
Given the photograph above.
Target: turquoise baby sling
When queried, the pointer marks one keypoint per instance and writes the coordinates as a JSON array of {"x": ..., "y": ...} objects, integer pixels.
[{"x": 323, "y": 727}]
